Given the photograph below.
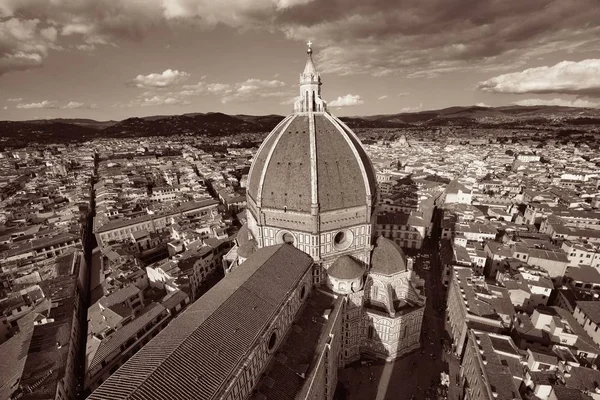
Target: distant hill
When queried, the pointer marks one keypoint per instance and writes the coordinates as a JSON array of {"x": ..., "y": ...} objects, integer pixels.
[
  {"x": 16, "y": 133},
  {"x": 90, "y": 123},
  {"x": 209, "y": 124},
  {"x": 498, "y": 115}
]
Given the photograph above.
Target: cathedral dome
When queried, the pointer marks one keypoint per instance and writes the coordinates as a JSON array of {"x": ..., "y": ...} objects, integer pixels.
[{"x": 311, "y": 161}]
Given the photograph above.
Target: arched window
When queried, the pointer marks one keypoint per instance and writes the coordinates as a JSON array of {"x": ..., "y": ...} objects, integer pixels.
[
  {"x": 306, "y": 101},
  {"x": 272, "y": 341}
]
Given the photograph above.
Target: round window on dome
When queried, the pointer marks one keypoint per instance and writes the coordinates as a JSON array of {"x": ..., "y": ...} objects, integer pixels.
[
  {"x": 343, "y": 239},
  {"x": 285, "y": 237},
  {"x": 288, "y": 238}
]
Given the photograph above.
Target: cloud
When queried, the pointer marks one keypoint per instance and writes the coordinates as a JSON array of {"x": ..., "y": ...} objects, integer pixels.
[
  {"x": 252, "y": 89},
  {"x": 402, "y": 94},
  {"x": 30, "y": 28},
  {"x": 168, "y": 77},
  {"x": 85, "y": 47},
  {"x": 163, "y": 101},
  {"x": 42, "y": 104},
  {"x": 434, "y": 37},
  {"x": 23, "y": 43},
  {"x": 558, "y": 102},
  {"x": 291, "y": 100},
  {"x": 248, "y": 90},
  {"x": 566, "y": 77},
  {"x": 411, "y": 109},
  {"x": 385, "y": 96},
  {"x": 346, "y": 101},
  {"x": 73, "y": 105},
  {"x": 379, "y": 37},
  {"x": 5, "y": 107},
  {"x": 482, "y": 105},
  {"x": 15, "y": 99}
]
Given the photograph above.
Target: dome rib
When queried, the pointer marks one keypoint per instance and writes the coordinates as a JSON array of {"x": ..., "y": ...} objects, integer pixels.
[
  {"x": 368, "y": 188},
  {"x": 286, "y": 182},
  {"x": 257, "y": 167},
  {"x": 366, "y": 164}
]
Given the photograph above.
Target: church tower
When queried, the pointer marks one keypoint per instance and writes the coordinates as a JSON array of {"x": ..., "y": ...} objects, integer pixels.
[{"x": 312, "y": 184}]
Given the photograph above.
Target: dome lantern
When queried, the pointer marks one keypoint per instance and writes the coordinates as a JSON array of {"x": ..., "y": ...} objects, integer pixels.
[{"x": 310, "y": 87}]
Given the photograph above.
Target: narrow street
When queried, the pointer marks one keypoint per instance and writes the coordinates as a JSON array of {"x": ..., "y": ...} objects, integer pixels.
[{"x": 417, "y": 375}]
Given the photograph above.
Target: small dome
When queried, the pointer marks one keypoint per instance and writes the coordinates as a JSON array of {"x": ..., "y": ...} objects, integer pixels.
[
  {"x": 247, "y": 249},
  {"x": 346, "y": 267},
  {"x": 243, "y": 236},
  {"x": 388, "y": 258}
]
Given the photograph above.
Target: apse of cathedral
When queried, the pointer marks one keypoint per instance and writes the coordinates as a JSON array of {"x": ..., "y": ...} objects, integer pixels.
[{"x": 309, "y": 289}]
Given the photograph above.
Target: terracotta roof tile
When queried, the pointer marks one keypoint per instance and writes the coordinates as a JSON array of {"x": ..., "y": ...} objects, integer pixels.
[{"x": 200, "y": 350}]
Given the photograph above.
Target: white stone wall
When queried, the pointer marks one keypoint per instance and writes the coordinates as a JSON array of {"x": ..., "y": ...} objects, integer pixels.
[{"x": 240, "y": 386}]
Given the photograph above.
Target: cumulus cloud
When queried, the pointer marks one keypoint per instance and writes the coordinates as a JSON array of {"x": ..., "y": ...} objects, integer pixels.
[
  {"x": 247, "y": 90},
  {"x": 73, "y": 105},
  {"x": 15, "y": 99},
  {"x": 23, "y": 43},
  {"x": 346, "y": 101},
  {"x": 567, "y": 77},
  {"x": 558, "y": 102},
  {"x": 41, "y": 104},
  {"x": 385, "y": 96},
  {"x": 254, "y": 88},
  {"x": 6, "y": 107},
  {"x": 30, "y": 28},
  {"x": 482, "y": 105},
  {"x": 168, "y": 77}
]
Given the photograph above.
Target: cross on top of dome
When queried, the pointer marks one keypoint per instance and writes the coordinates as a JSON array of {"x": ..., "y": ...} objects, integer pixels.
[{"x": 309, "y": 44}]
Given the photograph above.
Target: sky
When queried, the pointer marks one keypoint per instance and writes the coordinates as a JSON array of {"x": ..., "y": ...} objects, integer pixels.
[{"x": 114, "y": 59}]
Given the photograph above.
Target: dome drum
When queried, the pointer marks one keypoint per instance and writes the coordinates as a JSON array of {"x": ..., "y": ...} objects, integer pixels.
[
  {"x": 301, "y": 221},
  {"x": 345, "y": 275}
]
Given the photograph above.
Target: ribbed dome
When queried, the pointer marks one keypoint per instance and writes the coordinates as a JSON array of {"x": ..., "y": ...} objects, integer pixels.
[
  {"x": 309, "y": 159},
  {"x": 388, "y": 258},
  {"x": 346, "y": 267}
]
